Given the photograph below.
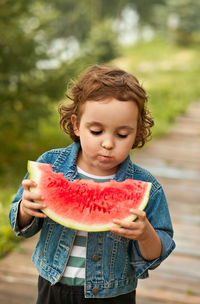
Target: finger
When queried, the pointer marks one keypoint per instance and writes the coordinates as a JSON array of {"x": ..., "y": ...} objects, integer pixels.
[
  {"x": 32, "y": 205},
  {"x": 33, "y": 209},
  {"x": 36, "y": 214},
  {"x": 27, "y": 183},
  {"x": 124, "y": 232},
  {"x": 125, "y": 224},
  {"x": 139, "y": 213},
  {"x": 31, "y": 196},
  {"x": 39, "y": 214}
]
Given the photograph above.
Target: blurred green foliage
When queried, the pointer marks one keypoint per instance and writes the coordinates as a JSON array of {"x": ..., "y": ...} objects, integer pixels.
[
  {"x": 184, "y": 21},
  {"x": 33, "y": 75},
  {"x": 168, "y": 73}
]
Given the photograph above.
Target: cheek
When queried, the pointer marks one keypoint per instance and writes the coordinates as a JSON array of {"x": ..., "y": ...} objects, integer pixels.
[
  {"x": 88, "y": 144},
  {"x": 127, "y": 146}
]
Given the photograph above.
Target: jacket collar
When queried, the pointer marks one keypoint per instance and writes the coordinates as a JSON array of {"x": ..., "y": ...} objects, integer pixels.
[{"x": 126, "y": 170}]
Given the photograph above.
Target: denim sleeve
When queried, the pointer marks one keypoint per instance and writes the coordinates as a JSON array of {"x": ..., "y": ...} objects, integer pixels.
[
  {"x": 158, "y": 215},
  {"x": 36, "y": 223}
]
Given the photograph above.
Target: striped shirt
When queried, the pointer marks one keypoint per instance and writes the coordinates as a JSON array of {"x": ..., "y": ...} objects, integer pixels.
[{"x": 74, "y": 273}]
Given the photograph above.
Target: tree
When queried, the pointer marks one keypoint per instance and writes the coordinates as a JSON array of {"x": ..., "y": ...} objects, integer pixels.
[
  {"x": 23, "y": 97},
  {"x": 187, "y": 21},
  {"x": 32, "y": 75}
]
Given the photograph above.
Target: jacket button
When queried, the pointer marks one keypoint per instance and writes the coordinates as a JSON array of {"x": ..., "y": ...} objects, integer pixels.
[
  {"x": 95, "y": 258},
  {"x": 95, "y": 290}
]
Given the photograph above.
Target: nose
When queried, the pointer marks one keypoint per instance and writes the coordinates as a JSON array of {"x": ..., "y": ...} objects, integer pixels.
[{"x": 108, "y": 143}]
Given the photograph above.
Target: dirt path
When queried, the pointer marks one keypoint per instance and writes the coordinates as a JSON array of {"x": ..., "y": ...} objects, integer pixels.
[{"x": 175, "y": 161}]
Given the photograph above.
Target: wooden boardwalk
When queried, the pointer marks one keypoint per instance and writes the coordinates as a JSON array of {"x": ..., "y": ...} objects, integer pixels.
[{"x": 175, "y": 161}]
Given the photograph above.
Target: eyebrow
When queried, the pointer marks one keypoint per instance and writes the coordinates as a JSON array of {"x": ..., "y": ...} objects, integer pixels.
[
  {"x": 98, "y": 124},
  {"x": 127, "y": 128},
  {"x": 94, "y": 123}
]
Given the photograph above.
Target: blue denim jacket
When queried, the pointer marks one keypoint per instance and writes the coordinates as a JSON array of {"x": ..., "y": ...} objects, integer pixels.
[{"x": 120, "y": 263}]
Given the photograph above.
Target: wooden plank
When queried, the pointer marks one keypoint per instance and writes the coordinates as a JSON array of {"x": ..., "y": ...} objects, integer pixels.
[
  {"x": 176, "y": 280},
  {"x": 159, "y": 294}
]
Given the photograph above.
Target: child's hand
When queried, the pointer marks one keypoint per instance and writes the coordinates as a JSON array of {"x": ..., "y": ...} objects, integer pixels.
[
  {"x": 28, "y": 208},
  {"x": 136, "y": 230},
  {"x": 142, "y": 231}
]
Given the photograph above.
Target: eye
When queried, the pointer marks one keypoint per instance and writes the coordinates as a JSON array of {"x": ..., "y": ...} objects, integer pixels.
[
  {"x": 122, "y": 135},
  {"x": 95, "y": 132}
]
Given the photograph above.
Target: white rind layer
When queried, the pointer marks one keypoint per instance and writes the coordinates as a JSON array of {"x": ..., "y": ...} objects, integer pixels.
[
  {"x": 78, "y": 226},
  {"x": 34, "y": 174}
]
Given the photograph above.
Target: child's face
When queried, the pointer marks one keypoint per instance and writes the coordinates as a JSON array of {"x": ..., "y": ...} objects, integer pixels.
[{"x": 107, "y": 131}]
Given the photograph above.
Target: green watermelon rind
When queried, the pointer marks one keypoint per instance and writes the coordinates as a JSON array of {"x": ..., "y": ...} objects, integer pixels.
[{"x": 34, "y": 174}]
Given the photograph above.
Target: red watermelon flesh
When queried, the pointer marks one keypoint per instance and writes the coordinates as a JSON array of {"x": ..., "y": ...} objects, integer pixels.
[{"x": 85, "y": 204}]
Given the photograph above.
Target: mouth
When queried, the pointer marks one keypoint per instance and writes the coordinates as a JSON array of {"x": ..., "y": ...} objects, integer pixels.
[{"x": 105, "y": 157}]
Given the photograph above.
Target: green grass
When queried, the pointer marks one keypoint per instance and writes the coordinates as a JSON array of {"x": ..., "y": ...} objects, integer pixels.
[
  {"x": 8, "y": 240},
  {"x": 170, "y": 75}
]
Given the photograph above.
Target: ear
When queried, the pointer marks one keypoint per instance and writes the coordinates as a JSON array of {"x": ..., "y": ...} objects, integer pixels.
[{"x": 75, "y": 124}]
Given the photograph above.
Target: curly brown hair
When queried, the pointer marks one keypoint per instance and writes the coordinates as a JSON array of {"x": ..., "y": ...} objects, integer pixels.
[{"x": 103, "y": 82}]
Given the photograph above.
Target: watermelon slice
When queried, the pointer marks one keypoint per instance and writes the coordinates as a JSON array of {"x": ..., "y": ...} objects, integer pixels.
[{"x": 85, "y": 204}]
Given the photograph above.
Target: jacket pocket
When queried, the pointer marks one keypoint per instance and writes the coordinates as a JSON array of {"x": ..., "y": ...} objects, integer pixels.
[
  {"x": 117, "y": 238},
  {"x": 47, "y": 242},
  {"x": 117, "y": 256}
]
